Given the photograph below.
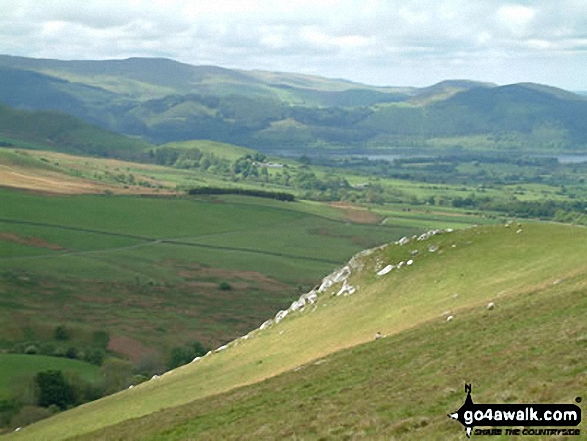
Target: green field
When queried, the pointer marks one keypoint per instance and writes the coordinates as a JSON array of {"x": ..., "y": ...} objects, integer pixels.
[
  {"x": 149, "y": 268},
  {"x": 530, "y": 350},
  {"x": 226, "y": 151},
  {"x": 538, "y": 269},
  {"x": 15, "y": 367}
]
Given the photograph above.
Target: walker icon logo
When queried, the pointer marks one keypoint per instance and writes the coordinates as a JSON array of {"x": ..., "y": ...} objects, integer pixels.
[{"x": 471, "y": 415}]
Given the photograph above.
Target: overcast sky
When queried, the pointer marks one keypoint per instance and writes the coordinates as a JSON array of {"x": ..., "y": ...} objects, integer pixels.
[{"x": 407, "y": 42}]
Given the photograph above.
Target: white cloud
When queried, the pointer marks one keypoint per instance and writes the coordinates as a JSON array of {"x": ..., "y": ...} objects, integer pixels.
[
  {"x": 377, "y": 41},
  {"x": 515, "y": 18}
]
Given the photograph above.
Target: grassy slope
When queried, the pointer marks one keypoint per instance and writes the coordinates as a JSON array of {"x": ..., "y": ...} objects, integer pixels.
[
  {"x": 13, "y": 366},
  {"x": 531, "y": 349},
  {"x": 57, "y": 131},
  {"x": 128, "y": 264},
  {"x": 219, "y": 149},
  {"x": 488, "y": 263}
]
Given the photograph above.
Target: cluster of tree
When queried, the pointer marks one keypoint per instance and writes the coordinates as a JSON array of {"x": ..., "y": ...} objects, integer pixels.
[
  {"x": 573, "y": 211},
  {"x": 185, "y": 158},
  {"x": 63, "y": 345},
  {"x": 181, "y": 355},
  {"x": 282, "y": 196},
  {"x": 46, "y": 393}
]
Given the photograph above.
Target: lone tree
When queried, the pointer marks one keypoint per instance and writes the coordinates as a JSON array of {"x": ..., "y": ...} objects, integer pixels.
[{"x": 54, "y": 389}]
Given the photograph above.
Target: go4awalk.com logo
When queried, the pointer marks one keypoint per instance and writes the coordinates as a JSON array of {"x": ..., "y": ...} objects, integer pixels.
[{"x": 553, "y": 416}]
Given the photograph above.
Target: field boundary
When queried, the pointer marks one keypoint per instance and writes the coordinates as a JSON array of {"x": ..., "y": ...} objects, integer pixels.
[{"x": 152, "y": 241}]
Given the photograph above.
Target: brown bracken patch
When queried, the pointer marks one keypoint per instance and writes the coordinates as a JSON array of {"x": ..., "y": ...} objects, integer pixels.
[
  {"x": 49, "y": 182},
  {"x": 357, "y": 214},
  {"x": 130, "y": 347},
  {"x": 200, "y": 277},
  {"x": 30, "y": 241}
]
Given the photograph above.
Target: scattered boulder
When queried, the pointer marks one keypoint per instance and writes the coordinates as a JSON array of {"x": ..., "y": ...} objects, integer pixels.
[
  {"x": 310, "y": 297},
  {"x": 298, "y": 304},
  {"x": 385, "y": 270},
  {"x": 346, "y": 289},
  {"x": 221, "y": 348},
  {"x": 196, "y": 359},
  {"x": 404, "y": 240},
  {"x": 280, "y": 316},
  {"x": 336, "y": 277},
  {"x": 266, "y": 324},
  {"x": 449, "y": 318},
  {"x": 409, "y": 262},
  {"x": 377, "y": 335},
  {"x": 429, "y": 234},
  {"x": 490, "y": 306},
  {"x": 432, "y": 248}
]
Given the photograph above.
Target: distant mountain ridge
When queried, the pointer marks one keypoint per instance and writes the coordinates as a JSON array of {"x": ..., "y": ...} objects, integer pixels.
[{"x": 162, "y": 100}]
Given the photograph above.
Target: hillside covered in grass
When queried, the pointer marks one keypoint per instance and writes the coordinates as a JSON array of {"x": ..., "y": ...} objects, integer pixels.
[
  {"x": 157, "y": 273},
  {"x": 163, "y": 101},
  {"x": 526, "y": 348},
  {"x": 50, "y": 130}
]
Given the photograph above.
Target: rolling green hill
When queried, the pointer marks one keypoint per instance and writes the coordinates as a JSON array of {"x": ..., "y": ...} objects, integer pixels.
[
  {"x": 400, "y": 387},
  {"x": 50, "y": 130},
  {"x": 150, "y": 269},
  {"x": 15, "y": 366},
  {"x": 526, "y": 348},
  {"x": 163, "y": 101}
]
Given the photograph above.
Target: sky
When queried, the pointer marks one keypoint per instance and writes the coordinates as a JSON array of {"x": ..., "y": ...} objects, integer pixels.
[{"x": 393, "y": 43}]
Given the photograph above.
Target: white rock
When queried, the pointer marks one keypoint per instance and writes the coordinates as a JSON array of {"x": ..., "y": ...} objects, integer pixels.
[
  {"x": 409, "y": 262},
  {"x": 432, "y": 248},
  {"x": 298, "y": 304},
  {"x": 449, "y": 318},
  {"x": 280, "y": 316},
  {"x": 221, "y": 348},
  {"x": 399, "y": 265},
  {"x": 131, "y": 386},
  {"x": 154, "y": 377},
  {"x": 17, "y": 429},
  {"x": 385, "y": 270},
  {"x": 404, "y": 240},
  {"x": 519, "y": 231},
  {"x": 346, "y": 289},
  {"x": 336, "y": 277},
  {"x": 490, "y": 306},
  {"x": 266, "y": 324},
  {"x": 196, "y": 359}
]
